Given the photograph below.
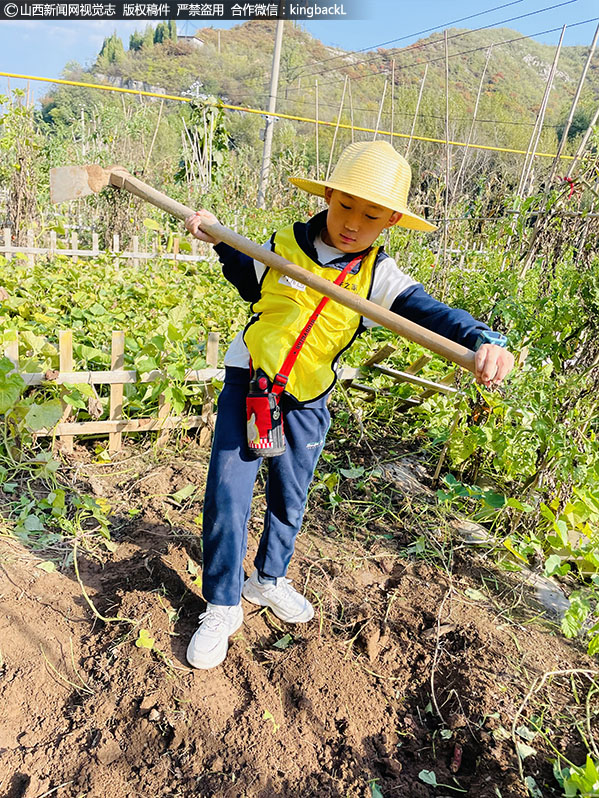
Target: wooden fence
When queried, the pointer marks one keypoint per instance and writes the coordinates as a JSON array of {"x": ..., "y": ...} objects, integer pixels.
[
  {"x": 50, "y": 244},
  {"x": 67, "y": 429}
]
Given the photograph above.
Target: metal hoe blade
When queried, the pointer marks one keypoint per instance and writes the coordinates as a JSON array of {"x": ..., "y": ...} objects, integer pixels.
[{"x": 72, "y": 182}]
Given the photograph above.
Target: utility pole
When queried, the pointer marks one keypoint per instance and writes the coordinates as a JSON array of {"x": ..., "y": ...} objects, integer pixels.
[{"x": 272, "y": 104}]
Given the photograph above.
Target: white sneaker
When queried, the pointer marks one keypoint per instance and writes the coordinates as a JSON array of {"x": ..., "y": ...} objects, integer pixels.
[
  {"x": 286, "y": 603},
  {"x": 208, "y": 647}
]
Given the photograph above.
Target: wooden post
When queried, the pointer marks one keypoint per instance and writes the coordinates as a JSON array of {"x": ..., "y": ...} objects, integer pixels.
[
  {"x": 164, "y": 411},
  {"x": 422, "y": 82},
  {"x": 65, "y": 348},
  {"x": 135, "y": 249},
  {"x": 52, "y": 243},
  {"x": 116, "y": 247},
  {"x": 7, "y": 241},
  {"x": 74, "y": 246},
  {"x": 11, "y": 351},
  {"x": 95, "y": 244},
  {"x": 207, "y": 408},
  {"x": 117, "y": 363},
  {"x": 30, "y": 243}
]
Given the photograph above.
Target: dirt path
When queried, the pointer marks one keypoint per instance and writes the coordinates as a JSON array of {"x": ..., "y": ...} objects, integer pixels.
[{"x": 408, "y": 666}]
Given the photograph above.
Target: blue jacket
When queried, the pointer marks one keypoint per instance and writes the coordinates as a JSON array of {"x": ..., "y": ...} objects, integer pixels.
[{"x": 414, "y": 303}]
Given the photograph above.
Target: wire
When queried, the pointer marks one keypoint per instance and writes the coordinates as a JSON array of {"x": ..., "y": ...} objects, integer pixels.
[
  {"x": 280, "y": 98},
  {"x": 417, "y": 33},
  {"x": 262, "y": 112},
  {"x": 411, "y": 48},
  {"x": 387, "y": 70}
]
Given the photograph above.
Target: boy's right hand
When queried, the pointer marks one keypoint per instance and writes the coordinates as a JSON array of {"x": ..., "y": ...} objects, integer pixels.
[{"x": 192, "y": 223}]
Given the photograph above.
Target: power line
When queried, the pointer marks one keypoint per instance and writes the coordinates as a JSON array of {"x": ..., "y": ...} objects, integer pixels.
[
  {"x": 411, "y": 48},
  {"x": 417, "y": 33},
  {"x": 386, "y": 71}
]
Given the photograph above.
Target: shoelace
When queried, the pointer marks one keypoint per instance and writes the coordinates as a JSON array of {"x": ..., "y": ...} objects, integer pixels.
[
  {"x": 213, "y": 618},
  {"x": 285, "y": 593}
]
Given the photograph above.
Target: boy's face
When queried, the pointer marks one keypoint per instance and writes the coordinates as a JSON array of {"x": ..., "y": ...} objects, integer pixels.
[{"x": 353, "y": 224}]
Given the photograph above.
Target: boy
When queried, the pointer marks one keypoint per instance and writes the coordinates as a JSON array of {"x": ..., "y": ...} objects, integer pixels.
[{"x": 366, "y": 193}]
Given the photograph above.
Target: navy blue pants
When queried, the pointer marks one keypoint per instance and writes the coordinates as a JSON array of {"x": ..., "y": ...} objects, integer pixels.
[{"x": 230, "y": 485}]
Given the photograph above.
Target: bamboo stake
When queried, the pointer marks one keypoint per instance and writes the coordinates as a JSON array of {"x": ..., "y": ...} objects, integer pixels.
[
  {"x": 117, "y": 362},
  {"x": 536, "y": 133},
  {"x": 535, "y": 233},
  {"x": 583, "y": 75},
  {"x": 392, "y": 99},
  {"x": 583, "y": 143},
  {"x": 378, "y": 120},
  {"x": 474, "y": 115},
  {"x": 422, "y": 82},
  {"x": 154, "y": 136},
  {"x": 316, "y": 128},
  {"x": 336, "y": 129},
  {"x": 351, "y": 109},
  {"x": 447, "y": 172}
]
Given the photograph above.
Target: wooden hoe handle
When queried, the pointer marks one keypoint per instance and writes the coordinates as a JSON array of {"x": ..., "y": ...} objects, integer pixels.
[{"x": 407, "y": 329}]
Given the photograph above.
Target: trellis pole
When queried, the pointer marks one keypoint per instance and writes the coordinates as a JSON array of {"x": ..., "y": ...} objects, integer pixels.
[
  {"x": 422, "y": 82},
  {"x": 316, "y": 129},
  {"x": 474, "y": 117},
  {"x": 378, "y": 119},
  {"x": 392, "y": 98},
  {"x": 583, "y": 75},
  {"x": 336, "y": 128},
  {"x": 536, "y": 133}
]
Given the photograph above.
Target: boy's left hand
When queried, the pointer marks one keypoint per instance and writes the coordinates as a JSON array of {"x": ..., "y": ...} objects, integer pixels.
[{"x": 492, "y": 364}]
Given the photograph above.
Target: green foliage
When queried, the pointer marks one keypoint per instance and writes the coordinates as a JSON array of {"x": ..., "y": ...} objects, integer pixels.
[
  {"x": 580, "y": 781},
  {"x": 112, "y": 51}
]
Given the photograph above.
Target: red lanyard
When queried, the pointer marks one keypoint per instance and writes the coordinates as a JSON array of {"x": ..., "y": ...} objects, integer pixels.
[{"x": 280, "y": 381}]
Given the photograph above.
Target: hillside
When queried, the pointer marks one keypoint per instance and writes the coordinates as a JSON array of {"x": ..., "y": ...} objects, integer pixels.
[{"x": 235, "y": 66}]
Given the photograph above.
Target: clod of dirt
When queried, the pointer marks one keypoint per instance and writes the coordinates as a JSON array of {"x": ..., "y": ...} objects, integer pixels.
[{"x": 108, "y": 751}]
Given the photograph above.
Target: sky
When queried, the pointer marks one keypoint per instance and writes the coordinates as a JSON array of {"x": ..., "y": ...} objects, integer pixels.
[{"x": 43, "y": 48}]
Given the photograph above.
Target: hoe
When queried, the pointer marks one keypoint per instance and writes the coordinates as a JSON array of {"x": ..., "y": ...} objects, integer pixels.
[{"x": 72, "y": 182}]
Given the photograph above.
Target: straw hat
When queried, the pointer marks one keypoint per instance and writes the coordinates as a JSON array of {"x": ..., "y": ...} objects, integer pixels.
[{"x": 374, "y": 171}]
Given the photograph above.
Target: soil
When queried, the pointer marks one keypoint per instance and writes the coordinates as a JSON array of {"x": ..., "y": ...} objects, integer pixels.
[{"x": 413, "y": 662}]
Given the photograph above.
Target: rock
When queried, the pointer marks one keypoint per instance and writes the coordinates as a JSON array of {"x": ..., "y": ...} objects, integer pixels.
[{"x": 548, "y": 594}]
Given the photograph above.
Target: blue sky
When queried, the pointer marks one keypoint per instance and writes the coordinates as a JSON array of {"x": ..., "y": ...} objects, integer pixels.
[{"x": 43, "y": 48}]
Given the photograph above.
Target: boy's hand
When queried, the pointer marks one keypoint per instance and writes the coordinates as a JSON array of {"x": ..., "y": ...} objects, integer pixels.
[
  {"x": 492, "y": 364},
  {"x": 192, "y": 223}
]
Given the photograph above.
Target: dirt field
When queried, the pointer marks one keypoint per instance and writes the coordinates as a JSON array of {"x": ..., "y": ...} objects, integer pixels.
[{"x": 411, "y": 664}]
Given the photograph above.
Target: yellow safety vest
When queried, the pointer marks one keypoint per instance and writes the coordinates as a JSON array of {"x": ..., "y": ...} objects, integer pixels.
[{"x": 283, "y": 310}]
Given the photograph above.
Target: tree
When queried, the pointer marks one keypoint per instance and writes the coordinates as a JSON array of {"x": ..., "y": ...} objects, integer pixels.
[
  {"x": 136, "y": 40},
  {"x": 112, "y": 51}
]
